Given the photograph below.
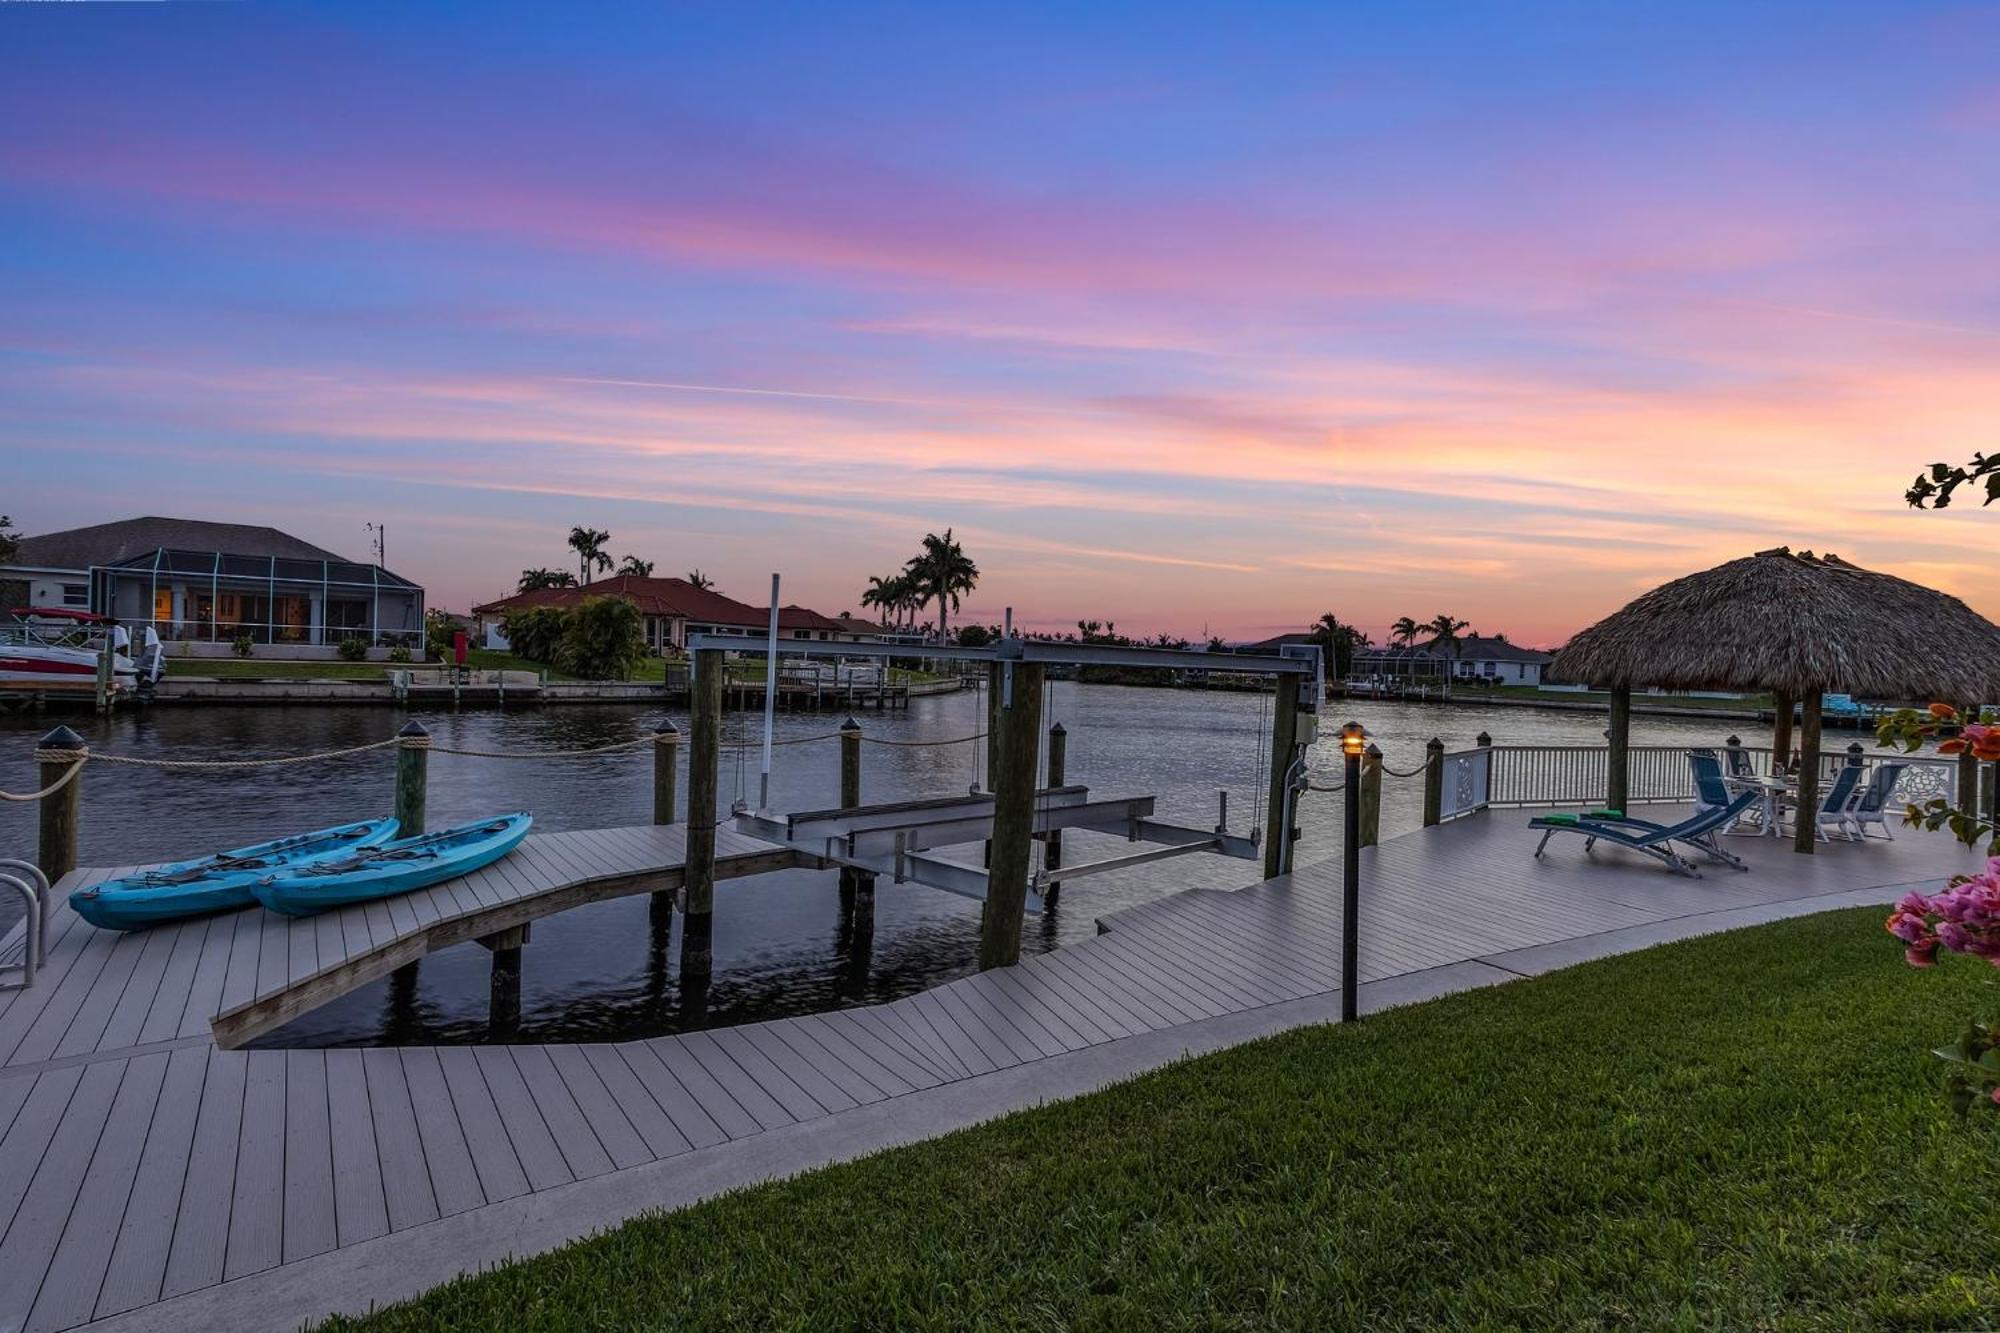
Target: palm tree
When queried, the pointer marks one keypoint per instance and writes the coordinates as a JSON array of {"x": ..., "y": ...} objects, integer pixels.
[
  {"x": 1337, "y": 643},
  {"x": 885, "y": 594},
  {"x": 1405, "y": 631},
  {"x": 940, "y": 573},
  {"x": 532, "y": 579},
  {"x": 589, "y": 543},
  {"x": 1444, "y": 630},
  {"x": 633, "y": 565},
  {"x": 701, "y": 581}
]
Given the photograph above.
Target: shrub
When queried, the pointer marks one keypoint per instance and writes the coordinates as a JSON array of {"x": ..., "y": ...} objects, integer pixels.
[
  {"x": 535, "y": 633},
  {"x": 603, "y": 639},
  {"x": 243, "y": 645},
  {"x": 438, "y": 630},
  {"x": 353, "y": 648},
  {"x": 399, "y": 654}
]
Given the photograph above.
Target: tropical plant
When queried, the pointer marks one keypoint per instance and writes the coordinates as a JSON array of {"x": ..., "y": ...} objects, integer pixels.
[
  {"x": 243, "y": 645},
  {"x": 1934, "y": 485},
  {"x": 534, "y": 632},
  {"x": 10, "y": 540},
  {"x": 941, "y": 572},
  {"x": 439, "y": 629},
  {"x": 353, "y": 648},
  {"x": 399, "y": 654},
  {"x": 636, "y": 567},
  {"x": 604, "y": 638},
  {"x": 532, "y": 579},
  {"x": 589, "y": 544},
  {"x": 1405, "y": 631},
  {"x": 701, "y": 581}
]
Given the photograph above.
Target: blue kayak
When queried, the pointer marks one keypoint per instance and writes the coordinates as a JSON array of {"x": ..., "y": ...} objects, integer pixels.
[
  {"x": 215, "y": 883},
  {"x": 391, "y": 868}
]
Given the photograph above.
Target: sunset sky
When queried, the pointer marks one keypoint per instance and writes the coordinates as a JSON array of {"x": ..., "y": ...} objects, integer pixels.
[{"x": 1182, "y": 316}]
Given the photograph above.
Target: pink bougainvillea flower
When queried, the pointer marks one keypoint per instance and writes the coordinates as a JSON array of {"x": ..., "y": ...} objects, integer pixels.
[
  {"x": 1943, "y": 712},
  {"x": 1921, "y": 955}
]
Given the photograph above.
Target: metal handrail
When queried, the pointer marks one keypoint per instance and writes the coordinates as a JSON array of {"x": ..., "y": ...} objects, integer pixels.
[
  {"x": 31, "y": 930},
  {"x": 43, "y": 890}
]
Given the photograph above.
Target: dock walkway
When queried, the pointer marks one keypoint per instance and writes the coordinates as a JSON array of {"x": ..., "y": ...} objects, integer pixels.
[{"x": 152, "y": 1178}]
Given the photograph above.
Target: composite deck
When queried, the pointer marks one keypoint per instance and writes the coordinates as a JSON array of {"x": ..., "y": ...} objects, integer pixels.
[{"x": 140, "y": 1161}]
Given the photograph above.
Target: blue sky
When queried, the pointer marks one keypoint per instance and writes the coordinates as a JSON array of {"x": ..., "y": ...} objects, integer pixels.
[{"x": 1181, "y": 316}]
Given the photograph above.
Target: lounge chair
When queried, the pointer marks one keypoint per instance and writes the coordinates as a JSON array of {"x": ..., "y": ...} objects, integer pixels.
[
  {"x": 1655, "y": 840},
  {"x": 1741, "y": 765},
  {"x": 1871, "y": 807},
  {"x": 1834, "y": 812}
]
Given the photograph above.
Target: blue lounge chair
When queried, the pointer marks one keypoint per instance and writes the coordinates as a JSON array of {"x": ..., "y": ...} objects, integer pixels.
[
  {"x": 1873, "y": 805},
  {"x": 1834, "y": 811},
  {"x": 1718, "y": 808}
]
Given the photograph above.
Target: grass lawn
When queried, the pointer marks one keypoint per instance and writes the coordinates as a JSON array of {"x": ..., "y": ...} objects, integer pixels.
[
  {"x": 1737, "y": 1132},
  {"x": 257, "y": 668}
]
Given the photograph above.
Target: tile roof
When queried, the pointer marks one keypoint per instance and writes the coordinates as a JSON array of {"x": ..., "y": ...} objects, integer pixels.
[{"x": 672, "y": 598}]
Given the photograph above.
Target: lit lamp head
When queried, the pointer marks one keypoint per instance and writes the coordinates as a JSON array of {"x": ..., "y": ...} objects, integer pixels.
[{"x": 1352, "y": 740}]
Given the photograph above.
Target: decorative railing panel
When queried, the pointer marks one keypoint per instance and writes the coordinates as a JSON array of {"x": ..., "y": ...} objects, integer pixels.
[
  {"x": 1467, "y": 782},
  {"x": 1538, "y": 775}
]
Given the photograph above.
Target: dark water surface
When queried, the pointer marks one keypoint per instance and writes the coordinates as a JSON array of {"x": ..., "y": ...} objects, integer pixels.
[{"x": 600, "y": 972}]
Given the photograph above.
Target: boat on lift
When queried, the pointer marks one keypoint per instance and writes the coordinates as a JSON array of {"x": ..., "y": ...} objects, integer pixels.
[{"x": 57, "y": 647}]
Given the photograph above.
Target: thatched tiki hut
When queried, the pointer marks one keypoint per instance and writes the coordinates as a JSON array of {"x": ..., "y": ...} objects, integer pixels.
[{"x": 1797, "y": 625}]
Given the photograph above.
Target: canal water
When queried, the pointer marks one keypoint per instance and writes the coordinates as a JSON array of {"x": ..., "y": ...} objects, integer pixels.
[{"x": 600, "y": 972}]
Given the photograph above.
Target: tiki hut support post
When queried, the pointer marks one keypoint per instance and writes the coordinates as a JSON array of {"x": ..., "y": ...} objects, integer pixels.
[
  {"x": 1617, "y": 759},
  {"x": 1781, "y": 731},
  {"x": 1805, "y": 831}
]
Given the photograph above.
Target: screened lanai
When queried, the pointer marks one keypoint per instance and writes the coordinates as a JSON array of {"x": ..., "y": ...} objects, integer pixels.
[{"x": 216, "y": 597}]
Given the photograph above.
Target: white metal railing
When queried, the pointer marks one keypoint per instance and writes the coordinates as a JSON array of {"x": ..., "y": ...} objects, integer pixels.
[{"x": 1538, "y": 775}]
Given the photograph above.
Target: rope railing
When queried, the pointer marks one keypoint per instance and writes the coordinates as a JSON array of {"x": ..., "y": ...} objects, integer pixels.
[
  {"x": 269, "y": 761},
  {"x": 69, "y": 776},
  {"x": 917, "y": 745}
]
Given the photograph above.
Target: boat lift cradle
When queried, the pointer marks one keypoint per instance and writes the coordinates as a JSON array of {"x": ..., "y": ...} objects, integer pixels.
[{"x": 891, "y": 840}]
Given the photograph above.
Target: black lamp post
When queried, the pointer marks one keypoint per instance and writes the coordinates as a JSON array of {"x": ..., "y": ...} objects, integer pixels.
[{"x": 1353, "y": 740}]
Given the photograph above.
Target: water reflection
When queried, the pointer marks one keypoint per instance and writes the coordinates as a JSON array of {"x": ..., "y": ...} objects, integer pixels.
[{"x": 783, "y": 943}]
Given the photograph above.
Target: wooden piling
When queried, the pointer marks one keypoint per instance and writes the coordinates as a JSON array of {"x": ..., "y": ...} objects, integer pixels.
[
  {"x": 1371, "y": 795},
  {"x": 857, "y": 887},
  {"x": 1805, "y": 832},
  {"x": 1052, "y": 840},
  {"x": 666, "y": 769},
  {"x": 704, "y": 778},
  {"x": 413, "y": 753},
  {"x": 106, "y": 676},
  {"x": 1433, "y": 782},
  {"x": 1281, "y": 820},
  {"x": 1020, "y": 732},
  {"x": 1618, "y": 752},
  {"x": 61, "y": 811},
  {"x": 503, "y": 1000}
]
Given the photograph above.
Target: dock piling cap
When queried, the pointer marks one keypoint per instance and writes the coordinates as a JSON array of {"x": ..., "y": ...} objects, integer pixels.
[
  {"x": 850, "y": 724},
  {"x": 666, "y": 729},
  {"x": 412, "y": 729},
  {"x": 1058, "y": 730},
  {"x": 62, "y": 738}
]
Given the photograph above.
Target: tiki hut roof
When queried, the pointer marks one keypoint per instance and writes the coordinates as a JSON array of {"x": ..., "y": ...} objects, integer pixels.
[{"x": 1792, "y": 622}]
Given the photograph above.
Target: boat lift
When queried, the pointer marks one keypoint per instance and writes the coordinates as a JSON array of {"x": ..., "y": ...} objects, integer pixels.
[
  {"x": 892, "y": 840},
  {"x": 896, "y": 839}
]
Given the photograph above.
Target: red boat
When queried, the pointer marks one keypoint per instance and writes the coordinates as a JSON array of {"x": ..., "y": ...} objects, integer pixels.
[{"x": 57, "y": 647}]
